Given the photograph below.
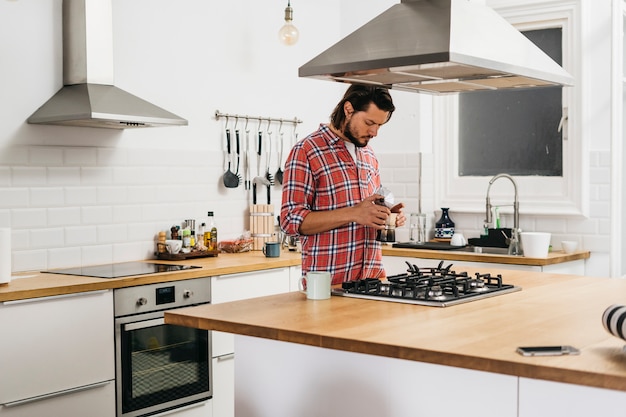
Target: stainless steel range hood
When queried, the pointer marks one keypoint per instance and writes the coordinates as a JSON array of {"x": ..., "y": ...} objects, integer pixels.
[
  {"x": 88, "y": 97},
  {"x": 438, "y": 47}
]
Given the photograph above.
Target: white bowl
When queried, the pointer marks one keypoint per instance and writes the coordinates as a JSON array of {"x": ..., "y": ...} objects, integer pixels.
[
  {"x": 536, "y": 244},
  {"x": 569, "y": 246},
  {"x": 173, "y": 246}
]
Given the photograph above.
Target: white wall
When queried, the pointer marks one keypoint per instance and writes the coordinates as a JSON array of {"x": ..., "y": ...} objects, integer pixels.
[{"x": 78, "y": 196}]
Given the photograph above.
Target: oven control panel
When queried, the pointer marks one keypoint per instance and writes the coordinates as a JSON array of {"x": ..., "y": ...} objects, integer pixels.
[
  {"x": 144, "y": 298},
  {"x": 165, "y": 295}
]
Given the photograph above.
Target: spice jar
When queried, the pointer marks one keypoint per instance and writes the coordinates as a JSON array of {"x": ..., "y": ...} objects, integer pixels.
[
  {"x": 186, "y": 241},
  {"x": 161, "y": 242}
]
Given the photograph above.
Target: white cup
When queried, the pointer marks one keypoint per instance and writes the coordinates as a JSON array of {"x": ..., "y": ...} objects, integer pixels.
[
  {"x": 569, "y": 246},
  {"x": 316, "y": 285},
  {"x": 173, "y": 246},
  {"x": 536, "y": 244},
  {"x": 458, "y": 240}
]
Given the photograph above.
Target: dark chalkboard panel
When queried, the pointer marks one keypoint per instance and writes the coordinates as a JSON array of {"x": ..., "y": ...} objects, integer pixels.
[{"x": 514, "y": 131}]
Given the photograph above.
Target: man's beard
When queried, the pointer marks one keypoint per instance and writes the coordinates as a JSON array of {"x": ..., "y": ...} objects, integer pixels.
[{"x": 347, "y": 133}]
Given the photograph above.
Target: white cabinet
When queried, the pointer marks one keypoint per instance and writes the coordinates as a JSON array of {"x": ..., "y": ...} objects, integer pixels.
[
  {"x": 224, "y": 386},
  {"x": 282, "y": 379},
  {"x": 547, "y": 399},
  {"x": 295, "y": 273},
  {"x": 242, "y": 286},
  {"x": 57, "y": 354},
  {"x": 235, "y": 287}
]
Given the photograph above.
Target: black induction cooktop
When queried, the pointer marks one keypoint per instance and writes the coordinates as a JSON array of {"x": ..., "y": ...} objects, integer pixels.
[{"x": 118, "y": 270}]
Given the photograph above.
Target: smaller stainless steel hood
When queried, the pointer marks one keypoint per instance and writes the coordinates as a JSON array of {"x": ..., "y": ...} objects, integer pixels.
[
  {"x": 438, "y": 47},
  {"x": 88, "y": 97}
]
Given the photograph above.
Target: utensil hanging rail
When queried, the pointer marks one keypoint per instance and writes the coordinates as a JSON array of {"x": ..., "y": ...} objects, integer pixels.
[{"x": 218, "y": 115}]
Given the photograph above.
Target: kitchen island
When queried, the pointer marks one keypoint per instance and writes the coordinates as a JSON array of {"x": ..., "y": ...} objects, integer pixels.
[{"x": 347, "y": 356}]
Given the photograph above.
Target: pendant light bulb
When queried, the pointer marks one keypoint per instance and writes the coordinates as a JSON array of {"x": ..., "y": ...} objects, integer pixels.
[{"x": 288, "y": 34}]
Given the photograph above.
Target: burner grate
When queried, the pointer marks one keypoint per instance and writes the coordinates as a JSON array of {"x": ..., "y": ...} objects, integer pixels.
[{"x": 438, "y": 286}]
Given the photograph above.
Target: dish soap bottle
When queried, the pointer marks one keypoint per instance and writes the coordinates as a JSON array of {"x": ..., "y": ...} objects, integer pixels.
[
  {"x": 444, "y": 228},
  {"x": 210, "y": 235}
]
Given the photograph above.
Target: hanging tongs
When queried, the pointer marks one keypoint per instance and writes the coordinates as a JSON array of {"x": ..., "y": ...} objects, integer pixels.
[{"x": 246, "y": 158}]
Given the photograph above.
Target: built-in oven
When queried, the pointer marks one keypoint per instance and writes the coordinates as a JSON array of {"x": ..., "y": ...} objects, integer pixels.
[{"x": 160, "y": 367}]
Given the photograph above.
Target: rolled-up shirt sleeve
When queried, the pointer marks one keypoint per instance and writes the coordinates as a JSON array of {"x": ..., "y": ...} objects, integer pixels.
[{"x": 297, "y": 197}]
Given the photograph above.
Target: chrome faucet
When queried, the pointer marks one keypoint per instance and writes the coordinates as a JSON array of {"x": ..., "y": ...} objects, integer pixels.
[{"x": 514, "y": 240}]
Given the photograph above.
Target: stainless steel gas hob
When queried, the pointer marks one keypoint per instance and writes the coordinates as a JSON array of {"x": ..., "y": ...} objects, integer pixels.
[{"x": 437, "y": 287}]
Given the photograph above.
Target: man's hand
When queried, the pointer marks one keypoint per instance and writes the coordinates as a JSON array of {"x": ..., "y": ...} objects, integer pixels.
[
  {"x": 400, "y": 218},
  {"x": 368, "y": 213}
]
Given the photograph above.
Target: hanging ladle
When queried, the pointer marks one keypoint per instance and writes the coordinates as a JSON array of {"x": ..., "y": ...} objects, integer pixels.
[{"x": 231, "y": 180}]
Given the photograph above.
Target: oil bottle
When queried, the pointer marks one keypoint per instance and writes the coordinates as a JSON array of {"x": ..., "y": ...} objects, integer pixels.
[{"x": 210, "y": 235}]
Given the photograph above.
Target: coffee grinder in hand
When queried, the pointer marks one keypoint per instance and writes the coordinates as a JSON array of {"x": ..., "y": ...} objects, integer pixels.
[{"x": 388, "y": 234}]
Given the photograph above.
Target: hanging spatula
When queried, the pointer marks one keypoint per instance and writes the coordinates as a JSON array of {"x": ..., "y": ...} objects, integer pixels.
[{"x": 279, "y": 171}]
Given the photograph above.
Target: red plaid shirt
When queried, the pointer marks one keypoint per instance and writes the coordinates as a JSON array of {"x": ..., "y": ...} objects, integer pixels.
[{"x": 320, "y": 174}]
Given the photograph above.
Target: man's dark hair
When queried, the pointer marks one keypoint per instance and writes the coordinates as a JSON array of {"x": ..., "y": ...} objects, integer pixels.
[{"x": 361, "y": 96}]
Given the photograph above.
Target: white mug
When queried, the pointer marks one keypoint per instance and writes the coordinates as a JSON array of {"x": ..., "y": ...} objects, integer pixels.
[
  {"x": 317, "y": 285},
  {"x": 458, "y": 240}
]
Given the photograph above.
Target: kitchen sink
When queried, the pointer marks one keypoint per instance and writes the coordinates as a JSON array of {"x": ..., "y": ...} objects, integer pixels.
[
  {"x": 447, "y": 247},
  {"x": 485, "y": 249}
]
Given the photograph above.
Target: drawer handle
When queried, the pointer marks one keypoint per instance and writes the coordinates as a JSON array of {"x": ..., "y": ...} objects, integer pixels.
[
  {"x": 53, "y": 297},
  {"x": 226, "y": 357},
  {"x": 55, "y": 394},
  {"x": 186, "y": 407}
]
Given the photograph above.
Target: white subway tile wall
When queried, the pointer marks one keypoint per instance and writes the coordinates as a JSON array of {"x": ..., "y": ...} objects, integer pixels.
[{"x": 72, "y": 206}]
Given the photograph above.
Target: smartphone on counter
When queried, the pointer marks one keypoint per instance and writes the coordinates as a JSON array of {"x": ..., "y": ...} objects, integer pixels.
[{"x": 547, "y": 350}]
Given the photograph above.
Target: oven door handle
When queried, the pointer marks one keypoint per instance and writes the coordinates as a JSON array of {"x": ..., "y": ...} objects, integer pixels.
[{"x": 144, "y": 324}]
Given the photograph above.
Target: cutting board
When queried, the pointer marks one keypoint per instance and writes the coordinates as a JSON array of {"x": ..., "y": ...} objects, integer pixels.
[{"x": 262, "y": 225}]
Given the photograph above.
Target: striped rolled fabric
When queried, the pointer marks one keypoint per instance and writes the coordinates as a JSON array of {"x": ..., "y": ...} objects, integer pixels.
[{"x": 614, "y": 320}]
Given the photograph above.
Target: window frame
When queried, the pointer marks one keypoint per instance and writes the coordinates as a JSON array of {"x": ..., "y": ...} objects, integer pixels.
[{"x": 566, "y": 195}]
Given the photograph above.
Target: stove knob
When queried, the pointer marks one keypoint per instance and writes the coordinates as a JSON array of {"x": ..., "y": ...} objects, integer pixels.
[
  {"x": 187, "y": 293},
  {"x": 142, "y": 301}
]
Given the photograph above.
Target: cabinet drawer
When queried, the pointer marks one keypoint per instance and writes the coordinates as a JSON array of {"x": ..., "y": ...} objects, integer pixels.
[
  {"x": 57, "y": 343},
  {"x": 234, "y": 287},
  {"x": 98, "y": 401}
]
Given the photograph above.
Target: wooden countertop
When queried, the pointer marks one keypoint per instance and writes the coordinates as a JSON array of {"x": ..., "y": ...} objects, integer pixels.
[
  {"x": 37, "y": 284},
  {"x": 556, "y": 257},
  {"x": 551, "y": 309}
]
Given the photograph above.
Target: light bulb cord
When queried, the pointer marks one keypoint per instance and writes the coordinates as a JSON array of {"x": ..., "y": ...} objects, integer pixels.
[{"x": 288, "y": 12}]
